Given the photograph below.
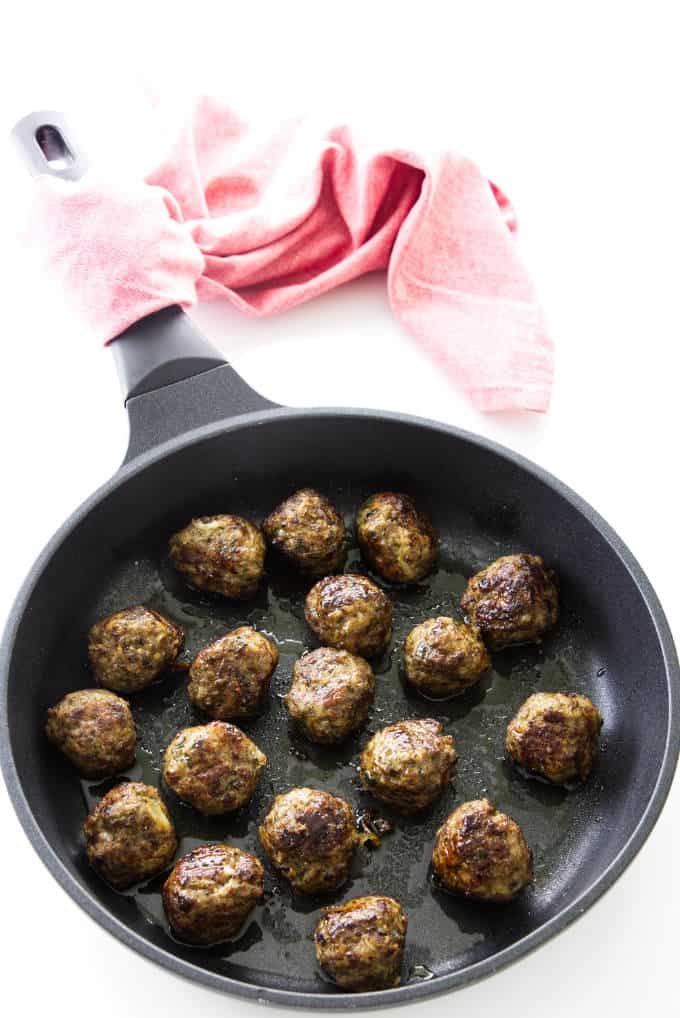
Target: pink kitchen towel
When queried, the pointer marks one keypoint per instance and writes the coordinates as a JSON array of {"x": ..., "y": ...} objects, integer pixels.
[{"x": 269, "y": 221}]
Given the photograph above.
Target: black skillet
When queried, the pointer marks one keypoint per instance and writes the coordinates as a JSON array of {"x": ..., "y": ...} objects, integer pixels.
[{"x": 202, "y": 441}]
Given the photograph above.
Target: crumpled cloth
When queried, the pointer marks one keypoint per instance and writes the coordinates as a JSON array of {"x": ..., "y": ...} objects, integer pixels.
[{"x": 267, "y": 221}]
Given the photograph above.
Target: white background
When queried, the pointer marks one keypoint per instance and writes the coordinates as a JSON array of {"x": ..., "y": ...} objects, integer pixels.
[{"x": 572, "y": 108}]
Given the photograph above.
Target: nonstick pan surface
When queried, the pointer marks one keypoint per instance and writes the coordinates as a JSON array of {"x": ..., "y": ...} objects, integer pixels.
[{"x": 612, "y": 643}]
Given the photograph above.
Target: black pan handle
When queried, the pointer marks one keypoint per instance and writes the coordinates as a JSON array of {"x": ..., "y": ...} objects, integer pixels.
[{"x": 161, "y": 349}]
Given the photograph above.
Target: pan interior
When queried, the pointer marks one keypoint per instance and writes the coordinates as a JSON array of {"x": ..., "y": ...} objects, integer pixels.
[{"x": 484, "y": 506}]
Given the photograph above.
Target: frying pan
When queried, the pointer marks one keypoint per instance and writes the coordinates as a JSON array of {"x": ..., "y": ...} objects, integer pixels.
[{"x": 202, "y": 441}]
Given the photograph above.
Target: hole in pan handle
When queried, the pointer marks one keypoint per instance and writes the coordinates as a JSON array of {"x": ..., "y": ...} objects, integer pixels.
[
  {"x": 161, "y": 349},
  {"x": 54, "y": 147}
]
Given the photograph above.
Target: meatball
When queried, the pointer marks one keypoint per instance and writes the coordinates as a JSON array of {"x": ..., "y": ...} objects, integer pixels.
[
  {"x": 220, "y": 554},
  {"x": 230, "y": 677},
  {"x": 360, "y": 945},
  {"x": 330, "y": 695},
  {"x": 444, "y": 658},
  {"x": 481, "y": 853},
  {"x": 555, "y": 735},
  {"x": 132, "y": 648},
  {"x": 409, "y": 764},
  {"x": 514, "y": 600},
  {"x": 211, "y": 892},
  {"x": 351, "y": 613},
  {"x": 213, "y": 767},
  {"x": 397, "y": 540},
  {"x": 95, "y": 730},
  {"x": 309, "y": 531},
  {"x": 129, "y": 835},
  {"x": 310, "y": 836}
]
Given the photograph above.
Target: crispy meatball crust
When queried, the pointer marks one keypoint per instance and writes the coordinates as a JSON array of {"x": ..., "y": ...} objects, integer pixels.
[
  {"x": 397, "y": 540},
  {"x": 95, "y": 730},
  {"x": 310, "y": 837},
  {"x": 331, "y": 694},
  {"x": 409, "y": 764},
  {"x": 132, "y": 648},
  {"x": 213, "y": 767},
  {"x": 211, "y": 892},
  {"x": 220, "y": 554},
  {"x": 481, "y": 853},
  {"x": 555, "y": 735},
  {"x": 309, "y": 531},
  {"x": 360, "y": 945},
  {"x": 514, "y": 600},
  {"x": 230, "y": 677},
  {"x": 351, "y": 613},
  {"x": 129, "y": 835},
  {"x": 443, "y": 657}
]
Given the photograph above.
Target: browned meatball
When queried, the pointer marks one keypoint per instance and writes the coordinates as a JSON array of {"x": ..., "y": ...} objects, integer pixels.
[
  {"x": 310, "y": 836},
  {"x": 129, "y": 835},
  {"x": 351, "y": 613},
  {"x": 221, "y": 554},
  {"x": 95, "y": 730},
  {"x": 230, "y": 677},
  {"x": 395, "y": 538},
  {"x": 132, "y": 648},
  {"x": 309, "y": 531},
  {"x": 211, "y": 892},
  {"x": 555, "y": 735},
  {"x": 330, "y": 695},
  {"x": 481, "y": 853},
  {"x": 360, "y": 945},
  {"x": 514, "y": 600},
  {"x": 408, "y": 764},
  {"x": 213, "y": 767},
  {"x": 444, "y": 658}
]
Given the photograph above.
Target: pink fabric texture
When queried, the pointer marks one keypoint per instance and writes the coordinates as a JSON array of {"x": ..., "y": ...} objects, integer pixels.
[{"x": 267, "y": 222}]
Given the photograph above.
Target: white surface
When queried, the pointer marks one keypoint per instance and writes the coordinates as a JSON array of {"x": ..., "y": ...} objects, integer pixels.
[{"x": 573, "y": 110}]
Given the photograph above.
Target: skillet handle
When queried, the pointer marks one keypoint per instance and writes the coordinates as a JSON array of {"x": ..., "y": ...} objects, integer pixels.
[{"x": 161, "y": 349}]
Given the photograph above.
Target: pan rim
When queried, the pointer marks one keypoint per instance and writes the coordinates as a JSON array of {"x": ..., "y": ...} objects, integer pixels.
[{"x": 410, "y": 991}]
